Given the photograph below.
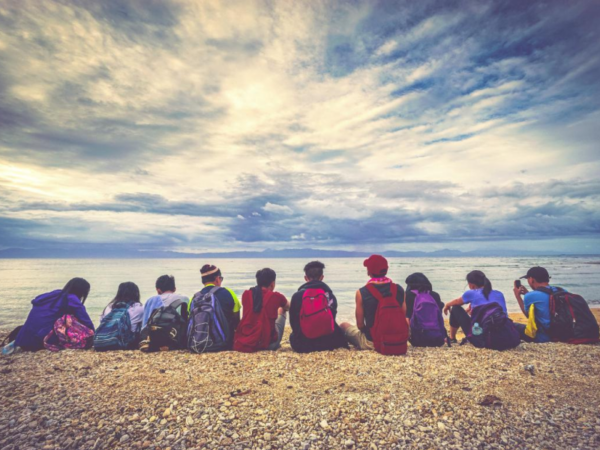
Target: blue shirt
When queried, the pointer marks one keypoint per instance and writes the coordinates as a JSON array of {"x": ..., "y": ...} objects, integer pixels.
[
  {"x": 476, "y": 298},
  {"x": 158, "y": 301},
  {"x": 541, "y": 302}
]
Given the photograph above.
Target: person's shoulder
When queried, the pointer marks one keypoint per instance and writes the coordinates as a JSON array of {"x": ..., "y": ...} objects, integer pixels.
[
  {"x": 498, "y": 293},
  {"x": 536, "y": 295},
  {"x": 153, "y": 299}
]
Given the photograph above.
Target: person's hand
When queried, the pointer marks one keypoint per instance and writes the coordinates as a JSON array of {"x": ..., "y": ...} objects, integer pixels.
[
  {"x": 521, "y": 290},
  {"x": 468, "y": 309},
  {"x": 446, "y": 308}
]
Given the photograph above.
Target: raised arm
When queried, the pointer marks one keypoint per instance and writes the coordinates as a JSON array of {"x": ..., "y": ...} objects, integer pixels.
[{"x": 456, "y": 302}]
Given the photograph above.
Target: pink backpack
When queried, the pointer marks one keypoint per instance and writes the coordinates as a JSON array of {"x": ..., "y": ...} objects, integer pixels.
[
  {"x": 68, "y": 332},
  {"x": 316, "y": 318}
]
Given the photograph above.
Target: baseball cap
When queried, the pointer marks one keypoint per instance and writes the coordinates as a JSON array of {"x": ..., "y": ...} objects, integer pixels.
[
  {"x": 539, "y": 274},
  {"x": 375, "y": 264}
]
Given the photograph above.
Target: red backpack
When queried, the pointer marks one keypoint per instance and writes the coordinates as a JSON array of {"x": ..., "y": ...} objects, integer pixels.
[
  {"x": 254, "y": 330},
  {"x": 316, "y": 318},
  {"x": 390, "y": 330}
]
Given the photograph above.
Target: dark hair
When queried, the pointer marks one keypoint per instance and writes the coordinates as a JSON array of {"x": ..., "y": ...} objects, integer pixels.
[
  {"x": 128, "y": 292},
  {"x": 314, "y": 270},
  {"x": 478, "y": 278},
  {"x": 381, "y": 274},
  {"x": 78, "y": 287},
  {"x": 418, "y": 282},
  {"x": 165, "y": 283},
  {"x": 213, "y": 276},
  {"x": 265, "y": 277}
]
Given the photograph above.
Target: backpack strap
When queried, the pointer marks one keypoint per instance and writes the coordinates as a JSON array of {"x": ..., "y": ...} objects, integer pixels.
[{"x": 378, "y": 295}]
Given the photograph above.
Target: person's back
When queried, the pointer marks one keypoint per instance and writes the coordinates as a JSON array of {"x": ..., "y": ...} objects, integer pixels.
[
  {"x": 331, "y": 338},
  {"x": 121, "y": 320},
  {"x": 368, "y": 313},
  {"x": 166, "y": 295},
  {"x": 263, "y": 320},
  {"x": 48, "y": 308},
  {"x": 222, "y": 317},
  {"x": 424, "y": 312}
]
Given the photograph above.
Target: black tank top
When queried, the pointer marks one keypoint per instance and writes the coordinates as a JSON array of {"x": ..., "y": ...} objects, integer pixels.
[{"x": 370, "y": 303}]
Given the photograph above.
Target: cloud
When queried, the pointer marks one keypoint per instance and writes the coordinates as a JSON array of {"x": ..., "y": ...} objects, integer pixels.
[{"x": 166, "y": 123}]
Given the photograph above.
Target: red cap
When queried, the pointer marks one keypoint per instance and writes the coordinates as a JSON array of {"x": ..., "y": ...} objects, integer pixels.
[{"x": 376, "y": 264}]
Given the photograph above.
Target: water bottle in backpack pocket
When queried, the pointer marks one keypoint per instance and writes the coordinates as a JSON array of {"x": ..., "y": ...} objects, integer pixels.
[
  {"x": 114, "y": 332},
  {"x": 498, "y": 331},
  {"x": 316, "y": 318},
  {"x": 427, "y": 328},
  {"x": 389, "y": 330},
  {"x": 208, "y": 328}
]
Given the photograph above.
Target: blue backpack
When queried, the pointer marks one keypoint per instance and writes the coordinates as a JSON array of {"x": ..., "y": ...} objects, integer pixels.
[
  {"x": 208, "y": 328},
  {"x": 427, "y": 327},
  {"x": 114, "y": 332}
]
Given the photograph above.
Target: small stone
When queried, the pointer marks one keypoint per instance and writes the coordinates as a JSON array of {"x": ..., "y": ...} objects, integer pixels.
[
  {"x": 163, "y": 422},
  {"x": 152, "y": 419},
  {"x": 441, "y": 426},
  {"x": 124, "y": 438},
  {"x": 167, "y": 412},
  {"x": 146, "y": 444},
  {"x": 324, "y": 424},
  {"x": 349, "y": 443},
  {"x": 189, "y": 421},
  {"x": 267, "y": 436}
]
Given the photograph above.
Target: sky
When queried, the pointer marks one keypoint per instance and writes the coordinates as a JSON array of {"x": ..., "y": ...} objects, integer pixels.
[{"x": 361, "y": 125}]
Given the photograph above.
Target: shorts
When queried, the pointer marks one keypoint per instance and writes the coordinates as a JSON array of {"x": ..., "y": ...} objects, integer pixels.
[{"x": 358, "y": 338}]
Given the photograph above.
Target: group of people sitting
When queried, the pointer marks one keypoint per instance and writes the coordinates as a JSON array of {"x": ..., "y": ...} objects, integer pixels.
[{"x": 387, "y": 315}]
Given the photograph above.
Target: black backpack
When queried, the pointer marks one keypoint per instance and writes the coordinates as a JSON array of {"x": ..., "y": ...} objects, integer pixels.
[
  {"x": 571, "y": 320},
  {"x": 166, "y": 328}
]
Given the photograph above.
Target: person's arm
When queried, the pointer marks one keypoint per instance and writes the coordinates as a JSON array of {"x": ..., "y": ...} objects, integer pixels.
[
  {"x": 360, "y": 313},
  {"x": 456, "y": 302},
  {"x": 136, "y": 315},
  {"x": 285, "y": 304},
  {"x": 519, "y": 292}
]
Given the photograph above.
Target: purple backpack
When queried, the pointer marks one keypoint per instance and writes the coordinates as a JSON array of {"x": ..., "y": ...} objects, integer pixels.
[
  {"x": 427, "y": 327},
  {"x": 499, "y": 332}
]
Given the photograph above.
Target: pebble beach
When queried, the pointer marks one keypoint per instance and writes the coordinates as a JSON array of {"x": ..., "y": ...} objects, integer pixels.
[{"x": 534, "y": 397}]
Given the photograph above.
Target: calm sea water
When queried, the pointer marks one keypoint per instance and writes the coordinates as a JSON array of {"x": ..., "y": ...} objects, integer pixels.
[{"x": 24, "y": 279}]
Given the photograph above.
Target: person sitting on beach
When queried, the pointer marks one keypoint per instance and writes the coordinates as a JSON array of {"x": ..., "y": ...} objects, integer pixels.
[
  {"x": 165, "y": 288},
  {"x": 263, "y": 320},
  {"x": 49, "y": 307},
  {"x": 128, "y": 293},
  {"x": 359, "y": 335},
  {"x": 212, "y": 279},
  {"x": 480, "y": 292},
  {"x": 312, "y": 314},
  {"x": 537, "y": 277},
  {"x": 420, "y": 283}
]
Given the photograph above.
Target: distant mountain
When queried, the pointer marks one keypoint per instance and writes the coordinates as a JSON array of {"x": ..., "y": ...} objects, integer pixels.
[{"x": 114, "y": 252}]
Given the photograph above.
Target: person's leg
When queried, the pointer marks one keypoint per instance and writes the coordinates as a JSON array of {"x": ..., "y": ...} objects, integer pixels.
[
  {"x": 459, "y": 318},
  {"x": 521, "y": 329},
  {"x": 356, "y": 337},
  {"x": 279, "y": 327}
]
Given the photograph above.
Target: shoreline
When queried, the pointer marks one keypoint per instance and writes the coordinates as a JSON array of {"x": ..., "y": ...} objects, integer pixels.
[{"x": 455, "y": 398}]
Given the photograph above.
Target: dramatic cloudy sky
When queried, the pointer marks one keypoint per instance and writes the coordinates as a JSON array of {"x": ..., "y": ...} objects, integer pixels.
[{"x": 196, "y": 125}]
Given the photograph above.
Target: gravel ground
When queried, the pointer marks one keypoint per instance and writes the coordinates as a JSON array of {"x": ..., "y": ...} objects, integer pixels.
[{"x": 457, "y": 398}]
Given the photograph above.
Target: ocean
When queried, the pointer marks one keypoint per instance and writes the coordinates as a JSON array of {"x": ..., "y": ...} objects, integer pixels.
[{"x": 24, "y": 279}]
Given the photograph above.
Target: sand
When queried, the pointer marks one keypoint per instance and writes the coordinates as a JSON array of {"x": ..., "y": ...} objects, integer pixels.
[{"x": 535, "y": 396}]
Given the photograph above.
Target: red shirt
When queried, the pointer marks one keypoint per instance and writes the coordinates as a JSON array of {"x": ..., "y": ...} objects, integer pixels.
[{"x": 272, "y": 306}]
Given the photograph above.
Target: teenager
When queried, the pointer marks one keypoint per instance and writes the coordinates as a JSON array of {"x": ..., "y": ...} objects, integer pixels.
[
  {"x": 367, "y": 302},
  {"x": 128, "y": 294},
  {"x": 263, "y": 320},
  {"x": 313, "y": 310},
  {"x": 213, "y": 324},
  {"x": 49, "y": 307},
  {"x": 537, "y": 278},
  {"x": 418, "y": 282},
  {"x": 165, "y": 288},
  {"x": 480, "y": 293}
]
